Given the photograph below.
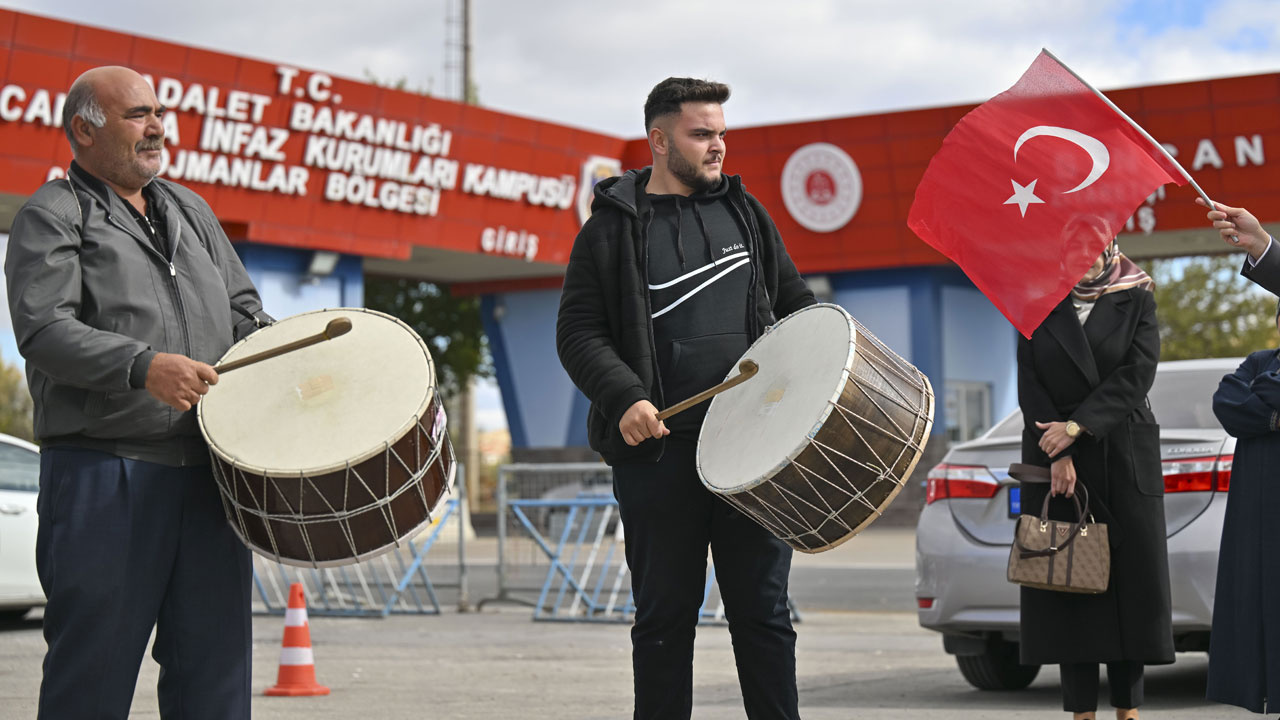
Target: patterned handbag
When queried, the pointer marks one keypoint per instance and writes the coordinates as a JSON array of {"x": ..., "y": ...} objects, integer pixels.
[{"x": 1055, "y": 555}]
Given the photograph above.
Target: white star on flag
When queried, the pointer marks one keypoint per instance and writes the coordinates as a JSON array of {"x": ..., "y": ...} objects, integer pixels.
[{"x": 1023, "y": 195}]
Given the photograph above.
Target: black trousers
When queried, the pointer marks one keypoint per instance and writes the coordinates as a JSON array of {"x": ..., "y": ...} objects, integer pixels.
[
  {"x": 669, "y": 519},
  {"x": 125, "y": 546},
  {"x": 1080, "y": 685}
]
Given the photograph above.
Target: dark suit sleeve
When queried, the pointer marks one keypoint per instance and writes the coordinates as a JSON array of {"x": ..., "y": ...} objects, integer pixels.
[
  {"x": 1241, "y": 411},
  {"x": 1267, "y": 387},
  {"x": 1266, "y": 273},
  {"x": 583, "y": 339},
  {"x": 1037, "y": 406},
  {"x": 1125, "y": 388}
]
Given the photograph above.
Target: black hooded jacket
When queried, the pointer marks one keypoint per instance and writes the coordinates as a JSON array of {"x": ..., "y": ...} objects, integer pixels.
[{"x": 604, "y": 330}]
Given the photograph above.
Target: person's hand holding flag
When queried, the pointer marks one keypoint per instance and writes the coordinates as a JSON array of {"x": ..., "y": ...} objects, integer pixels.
[{"x": 1239, "y": 228}]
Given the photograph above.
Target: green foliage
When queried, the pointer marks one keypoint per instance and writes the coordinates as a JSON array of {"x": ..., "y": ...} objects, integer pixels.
[
  {"x": 15, "y": 403},
  {"x": 1207, "y": 309},
  {"x": 450, "y": 325}
]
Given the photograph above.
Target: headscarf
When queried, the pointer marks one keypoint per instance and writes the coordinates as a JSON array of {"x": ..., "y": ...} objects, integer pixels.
[{"x": 1118, "y": 273}]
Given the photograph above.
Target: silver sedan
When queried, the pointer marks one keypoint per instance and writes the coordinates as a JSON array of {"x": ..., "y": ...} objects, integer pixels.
[{"x": 971, "y": 505}]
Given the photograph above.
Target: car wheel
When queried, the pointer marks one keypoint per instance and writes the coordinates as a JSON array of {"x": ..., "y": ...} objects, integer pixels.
[{"x": 997, "y": 668}]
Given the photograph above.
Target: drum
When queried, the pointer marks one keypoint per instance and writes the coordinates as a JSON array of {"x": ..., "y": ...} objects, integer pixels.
[
  {"x": 333, "y": 453},
  {"x": 822, "y": 439}
]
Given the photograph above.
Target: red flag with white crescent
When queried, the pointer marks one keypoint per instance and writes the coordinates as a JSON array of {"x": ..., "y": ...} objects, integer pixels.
[{"x": 1001, "y": 195}]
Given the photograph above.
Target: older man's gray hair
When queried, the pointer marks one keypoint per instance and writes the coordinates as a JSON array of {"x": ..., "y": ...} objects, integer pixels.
[{"x": 81, "y": 101}]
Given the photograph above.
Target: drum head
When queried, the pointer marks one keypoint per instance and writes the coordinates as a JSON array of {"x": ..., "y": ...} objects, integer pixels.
[
  {"x": 317, "y": 409},
  {"x": 753, "y": 430}
]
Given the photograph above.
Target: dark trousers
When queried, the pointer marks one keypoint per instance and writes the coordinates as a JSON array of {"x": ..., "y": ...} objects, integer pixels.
[
  {"x": 125, "y": 546},
  {"x": 669, "y": 519},
  {"x": 1080, "y": 685}
]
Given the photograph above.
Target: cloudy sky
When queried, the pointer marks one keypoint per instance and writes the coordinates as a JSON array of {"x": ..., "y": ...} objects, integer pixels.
[{"x": 590, "y": 64}]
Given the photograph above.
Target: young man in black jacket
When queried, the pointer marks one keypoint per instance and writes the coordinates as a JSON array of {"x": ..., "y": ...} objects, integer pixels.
[{"x": 675, "y": 274}]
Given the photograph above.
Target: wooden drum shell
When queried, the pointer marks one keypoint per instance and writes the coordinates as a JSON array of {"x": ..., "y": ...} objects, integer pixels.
[
  {"x": 257, "y": 504},
  {"x": 333, "y": 453},
  {"x": 847, "y": 467}
]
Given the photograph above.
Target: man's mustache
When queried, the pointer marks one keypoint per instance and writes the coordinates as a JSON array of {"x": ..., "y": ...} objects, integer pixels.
[{"x": 151, "y": 144}]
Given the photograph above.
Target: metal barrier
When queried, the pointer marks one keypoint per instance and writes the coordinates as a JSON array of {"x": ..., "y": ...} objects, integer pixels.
[
  {"x": 393, "y": 583},
  {"x": 594, "y": 589},
  {"x": 585, "y": 577},
  {"x": 521, "y": 563}
]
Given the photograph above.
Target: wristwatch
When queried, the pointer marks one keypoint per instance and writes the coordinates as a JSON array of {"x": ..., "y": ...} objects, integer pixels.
[{"x": 1073, "y": 429}]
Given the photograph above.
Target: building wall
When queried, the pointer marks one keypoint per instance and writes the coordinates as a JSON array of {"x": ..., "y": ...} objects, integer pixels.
[
  {"x": 885, "y": 311},
  {"x": 543, "y": 407},
  {"x": 287, "y": 288},
  {"x": 978, "y": 346}
]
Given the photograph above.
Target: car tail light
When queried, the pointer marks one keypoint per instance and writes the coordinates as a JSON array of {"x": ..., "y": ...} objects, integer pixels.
[
  {"x": 960, "y": 481},
  {"x": 1199, "y": 474},
  {"x": 1223, "y": 481},
  {"x": 924, "y": 603}
]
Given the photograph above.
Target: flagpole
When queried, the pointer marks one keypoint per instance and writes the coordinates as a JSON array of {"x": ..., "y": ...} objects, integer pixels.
[{"x": 1137, "y": 127}]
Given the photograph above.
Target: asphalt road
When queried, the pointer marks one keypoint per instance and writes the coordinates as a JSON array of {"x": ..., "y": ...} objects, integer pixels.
[
  {"x": 861, "y": 655},
  {"x": 501, "y": 664}
]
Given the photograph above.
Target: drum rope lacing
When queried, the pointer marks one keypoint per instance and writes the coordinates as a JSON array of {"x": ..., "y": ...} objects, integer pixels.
[
  {"x": 882, "y": 470},
  {"x": 293, "y": 516}
]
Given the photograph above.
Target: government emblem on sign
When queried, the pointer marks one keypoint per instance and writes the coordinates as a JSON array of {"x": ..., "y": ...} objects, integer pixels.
[
  {"x": 595, "y": 169},
  {"x": 821, "y": 187}
]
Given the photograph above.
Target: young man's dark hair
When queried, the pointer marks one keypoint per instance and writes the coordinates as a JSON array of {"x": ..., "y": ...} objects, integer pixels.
[{"x": 667, "y": 96}]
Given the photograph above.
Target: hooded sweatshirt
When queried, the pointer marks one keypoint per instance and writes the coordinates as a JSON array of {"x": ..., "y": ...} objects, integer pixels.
[
  {"x": 699, "y": 281},
  {"x": 606, "y": 334}
]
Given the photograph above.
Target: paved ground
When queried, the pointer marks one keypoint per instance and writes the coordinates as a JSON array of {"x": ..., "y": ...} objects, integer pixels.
[{"x": 853, "y": 663}]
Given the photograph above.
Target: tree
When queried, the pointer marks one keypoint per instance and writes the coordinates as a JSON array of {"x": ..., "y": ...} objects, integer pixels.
[
  {"x": 15, "y": 403},
  {"x": 1207, "y": 309},
  {"x": 450, "y": 325}
]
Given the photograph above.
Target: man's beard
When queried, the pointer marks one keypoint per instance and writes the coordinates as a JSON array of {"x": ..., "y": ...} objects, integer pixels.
[
  {"x": 687, "y": 173},
  {"x": 153, "y": 143}
]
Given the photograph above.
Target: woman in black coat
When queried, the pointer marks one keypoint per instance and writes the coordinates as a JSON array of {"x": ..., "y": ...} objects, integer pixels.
[
  {"x": 1083, "y": 379},
  {"x": 1244, "y": 648}
]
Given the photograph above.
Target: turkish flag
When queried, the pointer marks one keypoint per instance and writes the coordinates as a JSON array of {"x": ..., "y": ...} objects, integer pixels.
[{"x": 1030, "y": 186}]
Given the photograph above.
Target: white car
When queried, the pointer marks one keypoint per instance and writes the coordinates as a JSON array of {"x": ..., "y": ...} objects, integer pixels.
[{"x": 19, "y": 484}]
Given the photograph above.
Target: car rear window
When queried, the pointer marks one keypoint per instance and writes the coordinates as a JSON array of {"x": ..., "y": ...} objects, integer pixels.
[
  {"x": 19, "y": 468},
  {"x": 1179, "y": 399},
  {"x": 1184, "y": 399}
]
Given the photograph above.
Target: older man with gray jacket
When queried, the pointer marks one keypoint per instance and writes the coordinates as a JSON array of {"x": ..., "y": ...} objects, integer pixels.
[{"x": 123, "y": 290}]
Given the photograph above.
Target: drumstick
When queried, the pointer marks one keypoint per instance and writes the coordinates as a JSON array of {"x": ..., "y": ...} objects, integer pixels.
[
  {"x": 746, "y": 370},
  {"x": 337, "y": 326}
]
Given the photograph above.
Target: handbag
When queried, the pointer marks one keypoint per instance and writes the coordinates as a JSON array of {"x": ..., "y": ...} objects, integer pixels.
[{"x": 1056, "y": 555}]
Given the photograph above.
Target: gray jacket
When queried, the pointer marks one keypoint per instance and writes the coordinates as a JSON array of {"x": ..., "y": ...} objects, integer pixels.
[{"x": 93, "y": 301}]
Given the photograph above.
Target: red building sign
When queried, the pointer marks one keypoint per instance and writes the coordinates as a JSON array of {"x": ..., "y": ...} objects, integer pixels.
[{"x": 293, "y": 157}]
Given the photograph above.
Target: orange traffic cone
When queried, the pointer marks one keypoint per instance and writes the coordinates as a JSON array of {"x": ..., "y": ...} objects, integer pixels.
[{"x": 297, "y": 665}]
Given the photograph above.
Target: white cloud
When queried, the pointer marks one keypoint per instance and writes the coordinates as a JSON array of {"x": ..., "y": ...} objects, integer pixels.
[{"x": 591, "y": 64}]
